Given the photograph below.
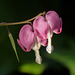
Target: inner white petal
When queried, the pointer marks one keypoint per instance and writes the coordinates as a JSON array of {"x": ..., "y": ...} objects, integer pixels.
[
  {"x": 49, "y": 47},
  {"x": 38, "y": 57},
  {"x": 36, "y": 46}
]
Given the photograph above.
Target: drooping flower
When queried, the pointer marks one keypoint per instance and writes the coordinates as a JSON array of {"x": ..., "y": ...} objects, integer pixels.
[
  {"x": 44, "y": 27},
  {"x": 28, "y": 40},
  {"x": 40, "y": 34}
]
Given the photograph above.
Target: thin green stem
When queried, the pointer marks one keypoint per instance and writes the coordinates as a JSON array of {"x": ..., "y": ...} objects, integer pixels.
[{"x": 22, "y": 22}]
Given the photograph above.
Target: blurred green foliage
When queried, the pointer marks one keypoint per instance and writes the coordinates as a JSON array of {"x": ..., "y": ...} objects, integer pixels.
[
  {"x": 64, "y": 44},
  {"x": 32, "y": 68}
]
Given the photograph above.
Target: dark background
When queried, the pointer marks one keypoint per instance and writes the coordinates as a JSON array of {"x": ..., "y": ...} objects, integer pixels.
[{"x": 20, "y": 10}]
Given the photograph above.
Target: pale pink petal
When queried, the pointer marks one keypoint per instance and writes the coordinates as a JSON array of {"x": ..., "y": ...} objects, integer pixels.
[
  {"x": 41, "y": 27},
  {"x": 38, "y": 34},
  {"x": 26, "y": 37},
  {"x": 59, "y": 30},
  {"x": 43, "y": 42},
  {"x": 22, "y": 46},
  {"x": 53, "y": 20}
]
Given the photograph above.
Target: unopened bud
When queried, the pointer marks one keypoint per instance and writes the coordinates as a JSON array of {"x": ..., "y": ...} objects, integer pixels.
[{"x": 13, "y": 43}]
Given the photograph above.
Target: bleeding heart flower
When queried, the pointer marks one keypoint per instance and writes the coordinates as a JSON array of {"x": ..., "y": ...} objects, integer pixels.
[
  {"x": 28, "y": 40},
  {"x": 41, "y": 34},
  {"x": 44, "y": 27}
]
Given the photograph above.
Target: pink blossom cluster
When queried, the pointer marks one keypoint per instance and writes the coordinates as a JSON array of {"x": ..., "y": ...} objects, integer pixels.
[{"x": 40, "y": 33}]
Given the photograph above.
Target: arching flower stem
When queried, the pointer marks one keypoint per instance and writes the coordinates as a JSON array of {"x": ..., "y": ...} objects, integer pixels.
[{"x": 22, "y": 22}]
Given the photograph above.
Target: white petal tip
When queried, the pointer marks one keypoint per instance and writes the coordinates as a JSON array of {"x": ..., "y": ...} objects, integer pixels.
[
  {"x": 49, "y": 49},
  {"x": 39, "y": 60},
  {"x": 38, "y": 57}
]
